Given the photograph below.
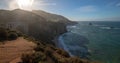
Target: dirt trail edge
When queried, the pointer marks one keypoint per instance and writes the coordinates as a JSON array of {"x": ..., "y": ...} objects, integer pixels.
[{"x": 11, "y": 51}]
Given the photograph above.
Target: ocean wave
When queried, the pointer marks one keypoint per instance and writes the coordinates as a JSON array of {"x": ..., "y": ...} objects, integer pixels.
[
  {"x": 116, "y": 28},
  {"x": 109, "y": 28},
  {"x": 71, "y": 26},
  {"x": 99, "y": 25},
  {"x": 74, "y": 44},
  {"x": 63, "y": 45},
  {"x": 105, "y": 27}
]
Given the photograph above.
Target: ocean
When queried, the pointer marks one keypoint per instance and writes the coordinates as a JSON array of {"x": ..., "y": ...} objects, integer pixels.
[{"x": 95, "y": 40}]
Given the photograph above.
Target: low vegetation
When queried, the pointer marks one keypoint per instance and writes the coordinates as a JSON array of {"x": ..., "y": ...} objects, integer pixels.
[
  {"x": 6, "y": 34},
  {"x": 3, "y": 34},
  {"x": 45, "y": 53},
  {"x": 33, "y": 57}
]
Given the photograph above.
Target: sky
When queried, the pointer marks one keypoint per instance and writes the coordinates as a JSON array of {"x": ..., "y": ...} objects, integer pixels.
[{"x": 76, "y": 10}]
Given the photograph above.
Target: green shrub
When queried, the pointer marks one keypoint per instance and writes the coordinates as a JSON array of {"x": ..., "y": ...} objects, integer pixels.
[
  {"x": 63, "y": 60},
  {"x": 48, "y": 50},
  {"x": 12, "y": 36},
  {"x": 52, "y": 47},
  {"x": 75, "y": 60},
  {"x": 3, "y": 34},
  {"x": 62, "y": 53},
  {"x": 33, "y": 57},
  {"x": 39, "y": 48},
  {"x": 19, "y": 34}
]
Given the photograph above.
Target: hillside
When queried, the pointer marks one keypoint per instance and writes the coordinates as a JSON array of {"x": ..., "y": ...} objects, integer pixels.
[
  {"x": 33, "y": 24},
  {"x": 28, "y": 16},
  {"x": 52, "y": 17},
  {"x": 19, "y": 16}
]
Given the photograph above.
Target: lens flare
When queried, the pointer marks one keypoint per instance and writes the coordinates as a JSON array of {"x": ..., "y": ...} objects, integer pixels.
[{"x": 25, "y": 4}]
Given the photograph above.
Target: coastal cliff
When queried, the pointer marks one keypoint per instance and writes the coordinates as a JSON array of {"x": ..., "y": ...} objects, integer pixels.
[
  {"x": 34, "y": 26},
  {"x": 38, "y": 24}
]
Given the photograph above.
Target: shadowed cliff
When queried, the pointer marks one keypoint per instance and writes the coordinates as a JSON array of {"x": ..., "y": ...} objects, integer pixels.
[{"x": 38, "y": 24}]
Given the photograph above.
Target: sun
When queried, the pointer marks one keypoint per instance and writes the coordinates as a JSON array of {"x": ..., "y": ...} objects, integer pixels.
[{"x": 25, "y": 4}]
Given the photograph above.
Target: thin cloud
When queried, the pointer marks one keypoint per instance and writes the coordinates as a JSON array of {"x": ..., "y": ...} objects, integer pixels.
[
  {"x": 110, "y": 19},
  {"x": 48, "y": 4},
  {"x": 89, "y": 8},
  {"x": 118, "y": 4},
  {"x": 43, "y": 3},
  {"x": 111, "y": 4},
  {"x": 114, "y": 4}
]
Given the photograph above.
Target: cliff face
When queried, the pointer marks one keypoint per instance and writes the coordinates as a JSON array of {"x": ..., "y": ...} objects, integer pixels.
[{"x": 39, "y": 24}]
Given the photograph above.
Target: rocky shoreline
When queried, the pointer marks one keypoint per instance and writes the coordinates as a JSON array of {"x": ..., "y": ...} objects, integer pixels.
[
  {"x": 85, "y": 50},
  {"x": 57, "y": 42}
]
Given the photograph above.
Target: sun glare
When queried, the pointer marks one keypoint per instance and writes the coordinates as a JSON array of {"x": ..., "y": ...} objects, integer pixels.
[{"x": 25, "y": 4}]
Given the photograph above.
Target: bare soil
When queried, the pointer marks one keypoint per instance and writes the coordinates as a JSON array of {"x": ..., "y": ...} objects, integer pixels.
[{"x": 11, "y": 51}]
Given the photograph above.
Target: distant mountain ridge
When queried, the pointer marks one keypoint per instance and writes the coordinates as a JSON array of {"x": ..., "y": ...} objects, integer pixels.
[
  {"x": 50, "y": 16},
  {"x": 29, "y": 15},
  {"x": 19, "y": 15}
]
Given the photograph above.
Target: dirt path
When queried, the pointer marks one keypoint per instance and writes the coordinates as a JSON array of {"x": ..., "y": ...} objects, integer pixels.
[{"x": 11, "y": 51}]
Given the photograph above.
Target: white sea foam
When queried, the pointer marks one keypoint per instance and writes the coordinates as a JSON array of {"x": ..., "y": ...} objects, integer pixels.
[
  {"x": 114, "y": 28},
  {"x": 105, "y": 27},
  {"x": 62, "y": 45},
  {"x": 99, "y": 25}
]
